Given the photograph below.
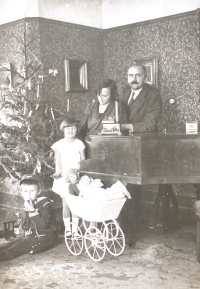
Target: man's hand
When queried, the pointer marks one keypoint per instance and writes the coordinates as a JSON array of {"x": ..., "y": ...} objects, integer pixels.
[{"x": 127, "y": 126}]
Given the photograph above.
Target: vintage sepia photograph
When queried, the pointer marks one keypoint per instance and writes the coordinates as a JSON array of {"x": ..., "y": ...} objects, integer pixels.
[{"x": 99, "y": 144}]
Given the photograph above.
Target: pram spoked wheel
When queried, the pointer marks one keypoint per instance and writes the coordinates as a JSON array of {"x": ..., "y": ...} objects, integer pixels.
[
  {"x": 95, "y": 244},
  {"x": 98, "y": 225},
  {"x": 74, "y": 241},
  {"x": 115, "y": 241}
]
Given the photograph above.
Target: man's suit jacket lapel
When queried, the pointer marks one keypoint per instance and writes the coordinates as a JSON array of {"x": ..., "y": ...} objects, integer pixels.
[
  {"x": 137, "y": 103},
  {"x": 127, "y": 93}
]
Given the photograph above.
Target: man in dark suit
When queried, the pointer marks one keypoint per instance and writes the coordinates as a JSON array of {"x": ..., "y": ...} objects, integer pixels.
[
  {"x": 142, "y": 100},
  {"x": 143, "y": 104}
]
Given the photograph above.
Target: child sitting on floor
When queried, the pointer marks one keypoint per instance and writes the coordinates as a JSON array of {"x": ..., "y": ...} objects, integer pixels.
[{"x": 37, "y": 220}]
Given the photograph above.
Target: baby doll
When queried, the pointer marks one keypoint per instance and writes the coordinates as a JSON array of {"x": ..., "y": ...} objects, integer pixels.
[
  {"x": 71, "y": 178},
  {"x": 90, "y": 189},
  {"x": 85, "y": 181},
  {"x": 96, "y": 183}
]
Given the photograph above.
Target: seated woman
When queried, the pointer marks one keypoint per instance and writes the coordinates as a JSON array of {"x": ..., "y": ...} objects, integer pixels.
[{"x": 102, "y": 109}]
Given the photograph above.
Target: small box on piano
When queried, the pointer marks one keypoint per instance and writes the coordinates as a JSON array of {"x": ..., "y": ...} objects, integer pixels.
[
  {"x": 191, "y": 127},
  {"x": 111, "y": 128}
]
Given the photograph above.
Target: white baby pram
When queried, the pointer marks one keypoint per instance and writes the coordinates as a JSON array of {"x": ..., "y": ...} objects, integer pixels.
[{"x": 102, "y": 232}]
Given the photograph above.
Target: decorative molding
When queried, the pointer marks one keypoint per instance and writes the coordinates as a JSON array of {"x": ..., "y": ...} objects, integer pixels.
[
  {"x": 19, "y": 21},
  {"x": 71, "y": 25},
  {"x": 46, "y": 20},
  {"x": 152, "y": 21}
]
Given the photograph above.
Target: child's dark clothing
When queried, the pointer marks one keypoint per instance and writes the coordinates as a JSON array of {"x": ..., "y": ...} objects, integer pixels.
[
  {"x": 73, "y": 190},
  {"x": 40, "y": 231}
]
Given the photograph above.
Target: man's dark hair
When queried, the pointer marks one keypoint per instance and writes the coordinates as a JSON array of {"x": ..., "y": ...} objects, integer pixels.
[
  {"x": 107, "y": 83},
  {"x": 139, "y": 65}
]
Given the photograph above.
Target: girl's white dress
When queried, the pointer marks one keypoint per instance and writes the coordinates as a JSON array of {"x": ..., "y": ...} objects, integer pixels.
[{"x": 70, "y": 159}]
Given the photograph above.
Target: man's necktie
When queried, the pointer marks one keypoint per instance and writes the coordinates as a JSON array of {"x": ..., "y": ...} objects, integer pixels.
[{"x": 131, "y": 98}]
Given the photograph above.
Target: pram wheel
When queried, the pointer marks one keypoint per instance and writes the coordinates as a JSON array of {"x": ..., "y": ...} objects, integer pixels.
[
  {"x": 87, "y": 224},
  {"x": 95, "y": 244},
  {"x": 115, "y": 241},
  {"x": 74, "y": 242}
]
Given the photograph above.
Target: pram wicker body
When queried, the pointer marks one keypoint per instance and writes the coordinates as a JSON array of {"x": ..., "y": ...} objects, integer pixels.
[{"x": 94, "y": 210}]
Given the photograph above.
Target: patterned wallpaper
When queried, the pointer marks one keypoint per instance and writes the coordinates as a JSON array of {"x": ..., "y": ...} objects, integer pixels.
[
  {"x": 10, "y": 46},
  {"x": 64, "y": 41},
  {"x": 56, "y": 41},
  {"x": 175, "y": 42}
]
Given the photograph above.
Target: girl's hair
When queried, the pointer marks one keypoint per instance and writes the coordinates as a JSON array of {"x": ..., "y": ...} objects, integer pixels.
[
  {"x": 108, "y": 83},
  {"x": 68, "y": 121}
]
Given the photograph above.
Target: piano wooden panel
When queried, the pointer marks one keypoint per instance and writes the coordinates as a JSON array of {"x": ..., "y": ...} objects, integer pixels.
[{"x": 145, "y": 158}]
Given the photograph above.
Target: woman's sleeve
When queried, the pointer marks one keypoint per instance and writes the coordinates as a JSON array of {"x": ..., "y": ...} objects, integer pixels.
[{"x": 84, "y": 123}]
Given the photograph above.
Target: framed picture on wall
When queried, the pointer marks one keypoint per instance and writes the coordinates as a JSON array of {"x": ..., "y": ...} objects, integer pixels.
[
  {"x": 151, "y": 64},
  {"x": 76, "y": 78},
  {"x": 5, "y": 76}
]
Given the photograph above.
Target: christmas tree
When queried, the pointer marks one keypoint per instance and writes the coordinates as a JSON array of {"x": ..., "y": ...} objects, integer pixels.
[{"x": 28, "y": 124}]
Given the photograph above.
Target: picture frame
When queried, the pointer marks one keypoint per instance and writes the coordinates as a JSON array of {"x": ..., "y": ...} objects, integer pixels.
[
  {"x": 151, "y": 64},
  {"x": 76, "y": 75},
  {"x": 5, "y": 76}
]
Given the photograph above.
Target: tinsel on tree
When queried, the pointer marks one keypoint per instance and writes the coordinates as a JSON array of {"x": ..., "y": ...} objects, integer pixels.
[{"x": 29, "y": 123}]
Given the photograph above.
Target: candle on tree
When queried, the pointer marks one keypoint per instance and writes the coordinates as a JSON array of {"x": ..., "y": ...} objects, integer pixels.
[{"x": 116, "y": 112}]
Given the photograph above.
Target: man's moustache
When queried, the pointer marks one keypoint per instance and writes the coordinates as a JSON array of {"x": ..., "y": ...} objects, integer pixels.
[{"x": 134, "y": 82}]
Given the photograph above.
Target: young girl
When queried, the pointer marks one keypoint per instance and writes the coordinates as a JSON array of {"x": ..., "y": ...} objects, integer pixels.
[{"x": 68, "y": 153}]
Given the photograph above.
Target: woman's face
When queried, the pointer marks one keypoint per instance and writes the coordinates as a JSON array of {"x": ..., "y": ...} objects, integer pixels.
[{"x": 104, "y": 97}]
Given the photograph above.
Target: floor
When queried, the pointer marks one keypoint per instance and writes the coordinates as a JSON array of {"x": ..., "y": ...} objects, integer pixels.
[{"x": 158, "y": 261}]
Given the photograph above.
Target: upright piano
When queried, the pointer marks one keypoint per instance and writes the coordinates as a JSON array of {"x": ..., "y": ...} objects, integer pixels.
[{"x": 143, "y": 159}]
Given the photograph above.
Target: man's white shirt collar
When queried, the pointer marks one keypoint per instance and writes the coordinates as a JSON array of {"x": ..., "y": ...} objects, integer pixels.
[{"x": 136, "y": 92}]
